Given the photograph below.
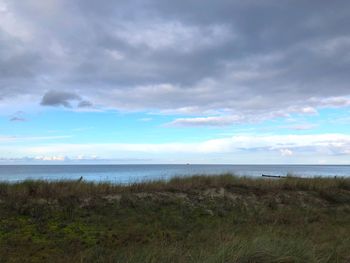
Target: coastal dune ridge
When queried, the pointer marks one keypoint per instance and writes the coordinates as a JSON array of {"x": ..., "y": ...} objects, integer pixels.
[{"x": 201, "y": 218}]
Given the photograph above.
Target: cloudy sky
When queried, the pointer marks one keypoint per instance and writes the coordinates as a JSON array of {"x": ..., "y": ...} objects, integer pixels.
[{"x": 156, "y": 81}]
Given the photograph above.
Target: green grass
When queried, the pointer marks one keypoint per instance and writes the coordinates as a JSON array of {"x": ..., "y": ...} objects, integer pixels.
[{"x": 191, "y": 219}]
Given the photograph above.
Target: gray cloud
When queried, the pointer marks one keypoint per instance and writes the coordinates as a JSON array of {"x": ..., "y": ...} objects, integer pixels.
[
  {"x": 59, "y": 98},
  {"x": 249, "y": 58},
  {"x": 85, "y": 104},
  {"x": 66, "y": 99},
  {"x": 18, "y": 117}
]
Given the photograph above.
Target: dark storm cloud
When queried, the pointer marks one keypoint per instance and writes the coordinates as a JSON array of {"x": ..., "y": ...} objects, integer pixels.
[
  {"x": 241, "y": 57},
  {"x": 66, "y": 99},
  {"x": 59, "y": 98}
]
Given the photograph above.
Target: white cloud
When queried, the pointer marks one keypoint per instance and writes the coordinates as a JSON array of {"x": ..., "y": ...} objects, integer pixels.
[
  {"x": 287, "y": 145},
  {"x": 286, "y": 152},
  {"x": 307, "y": 110},
  {"x": 50, "y": 158},
  {"x": 16, "y": 139},
  {"x": 206, "y": 121},
  {"x": 6, "y": 138}
]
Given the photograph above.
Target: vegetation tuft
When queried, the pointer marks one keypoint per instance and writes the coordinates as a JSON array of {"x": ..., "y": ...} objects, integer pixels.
[{"x": 186, "y": 219}]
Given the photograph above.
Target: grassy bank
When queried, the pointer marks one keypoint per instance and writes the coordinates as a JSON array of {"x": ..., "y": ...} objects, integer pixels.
[{"x": 196, "y": 219}]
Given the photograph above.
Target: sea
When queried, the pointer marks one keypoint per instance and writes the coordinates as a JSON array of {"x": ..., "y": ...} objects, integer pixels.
[{"x": 126, "y": 174}]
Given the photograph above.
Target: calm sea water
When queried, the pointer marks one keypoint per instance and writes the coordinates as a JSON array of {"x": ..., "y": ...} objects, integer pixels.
[{"x": 137, "y": 173}]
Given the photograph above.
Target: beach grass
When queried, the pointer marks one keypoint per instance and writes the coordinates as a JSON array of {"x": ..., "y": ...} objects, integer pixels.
[{"x": 185, "y": 219}]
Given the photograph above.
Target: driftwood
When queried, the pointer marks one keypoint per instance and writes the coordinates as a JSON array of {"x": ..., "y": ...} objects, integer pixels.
[
  {"x": 282, "y": 176},
  {"x": 273, "y": 176}
]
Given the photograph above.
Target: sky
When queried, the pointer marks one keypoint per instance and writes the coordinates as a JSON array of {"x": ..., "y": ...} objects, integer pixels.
[{"x": 157, "y": 81}]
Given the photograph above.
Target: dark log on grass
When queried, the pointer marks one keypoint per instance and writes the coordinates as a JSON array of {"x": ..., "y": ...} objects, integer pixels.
[
  {"x": 282, "y": 176},
  {"x": 273, "y": 176}
]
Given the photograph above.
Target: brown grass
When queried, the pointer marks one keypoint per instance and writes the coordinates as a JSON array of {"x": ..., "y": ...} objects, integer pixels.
[{"x": 186, "y": 219}]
